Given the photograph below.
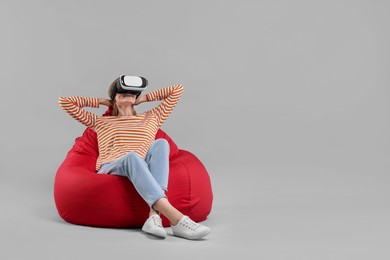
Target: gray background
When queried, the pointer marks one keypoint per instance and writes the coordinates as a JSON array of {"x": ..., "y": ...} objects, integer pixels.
[{"x": 285, "y": 102}]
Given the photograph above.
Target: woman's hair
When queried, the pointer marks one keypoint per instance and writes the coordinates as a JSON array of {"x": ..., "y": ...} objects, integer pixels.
[{"x": 114, "y": 111}]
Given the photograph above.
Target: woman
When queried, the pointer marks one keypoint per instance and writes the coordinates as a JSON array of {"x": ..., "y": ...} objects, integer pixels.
[{"x": 127, "y": 148}]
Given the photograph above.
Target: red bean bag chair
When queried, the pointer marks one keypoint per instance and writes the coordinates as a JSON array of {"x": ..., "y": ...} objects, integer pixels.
[{"x": 84, "y": 197}]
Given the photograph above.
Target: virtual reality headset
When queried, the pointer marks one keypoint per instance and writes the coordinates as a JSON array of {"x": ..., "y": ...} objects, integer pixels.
[{"x": 129, "y": 84}]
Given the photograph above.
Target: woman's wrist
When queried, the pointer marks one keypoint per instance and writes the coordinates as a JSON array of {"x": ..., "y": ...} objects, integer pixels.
[{"x": 141, "y": 99}]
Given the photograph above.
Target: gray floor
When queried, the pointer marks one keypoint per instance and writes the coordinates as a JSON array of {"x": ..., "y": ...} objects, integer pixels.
[{"x": 295, "y": 212}]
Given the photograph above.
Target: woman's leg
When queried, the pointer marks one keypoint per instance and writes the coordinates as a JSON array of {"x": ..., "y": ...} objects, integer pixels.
[
  {"x": 157, "y": 159},
  {"x": 149, "y": 177},
  {"x": 136, "y": 169},
  {"x": 164, "y": 207}
]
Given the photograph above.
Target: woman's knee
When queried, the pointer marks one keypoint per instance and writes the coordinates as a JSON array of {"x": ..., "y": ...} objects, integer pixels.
[
  {"x": 131, "y": 156},
  {"x": 163, "y": 143},
  {"x": 135, "y": 160}
]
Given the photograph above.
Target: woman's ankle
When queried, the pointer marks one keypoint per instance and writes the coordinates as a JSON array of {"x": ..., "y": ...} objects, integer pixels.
[
  {"x": 153, "y": 212},
  {"x": 176, "y": 219},
  {"x": 171, "y": 213}
]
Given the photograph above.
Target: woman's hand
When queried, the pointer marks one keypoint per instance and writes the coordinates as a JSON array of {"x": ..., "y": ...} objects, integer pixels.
[
  {"x": 140, "y": 99},
  {"x": 106, "y": 102}
]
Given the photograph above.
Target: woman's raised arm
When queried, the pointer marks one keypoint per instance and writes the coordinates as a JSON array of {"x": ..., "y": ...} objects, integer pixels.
[
  {"x": 74, "y": 107},
  {"x": 170, "y": 96}
]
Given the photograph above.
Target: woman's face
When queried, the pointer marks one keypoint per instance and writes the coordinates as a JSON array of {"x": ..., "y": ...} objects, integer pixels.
[{"x": 125, "y": 98}]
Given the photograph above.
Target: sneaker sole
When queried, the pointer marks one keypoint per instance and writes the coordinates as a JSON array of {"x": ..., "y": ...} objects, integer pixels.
[
  {"x": 155, "y": 234},
  {"x": 192, "y": 238}
]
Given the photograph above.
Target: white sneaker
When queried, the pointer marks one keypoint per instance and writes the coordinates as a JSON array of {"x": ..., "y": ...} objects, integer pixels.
[
  {"x": 189, "y": 229},
  {"x": 153, "y": 225}
]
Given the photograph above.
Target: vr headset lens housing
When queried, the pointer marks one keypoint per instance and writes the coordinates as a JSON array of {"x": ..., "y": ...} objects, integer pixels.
[
  {"x": 131, "y": 81},
  {"x": 129, "y": 84}
]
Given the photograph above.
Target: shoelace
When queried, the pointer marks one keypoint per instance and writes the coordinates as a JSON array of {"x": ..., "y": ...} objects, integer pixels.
[
  {"x": 188, "y": 223},
  {"x": 157, "y": 221}
]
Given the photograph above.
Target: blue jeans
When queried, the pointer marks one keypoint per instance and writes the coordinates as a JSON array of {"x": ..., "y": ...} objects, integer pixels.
[{"x": 149, "y": 176}]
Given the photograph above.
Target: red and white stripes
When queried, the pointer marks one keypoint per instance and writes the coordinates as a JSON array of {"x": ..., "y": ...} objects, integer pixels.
[{"x": 117, "y": 135}]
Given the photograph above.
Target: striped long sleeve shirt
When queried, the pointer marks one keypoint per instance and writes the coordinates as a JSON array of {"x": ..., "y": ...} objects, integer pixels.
[{"x": 118, "y": 135}]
